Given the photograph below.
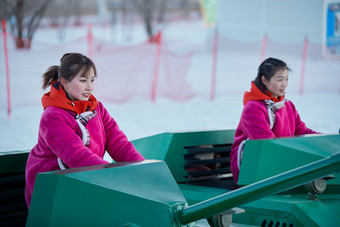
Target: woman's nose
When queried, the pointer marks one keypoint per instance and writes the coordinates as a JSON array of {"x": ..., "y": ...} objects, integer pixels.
[
  {"x": 285, "y": 83},
  {"x": 89, "y": 86}
]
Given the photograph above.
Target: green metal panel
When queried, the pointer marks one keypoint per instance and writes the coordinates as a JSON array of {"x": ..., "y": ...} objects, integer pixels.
[
  {"x": 142, "y": 194},
  {"x": 262, "y": 159},
  {"x": 13, "y": 208},
  {"x": 261, "y": 189},
  {"x": 266, "y": 158},
  {"x": 154, "y": 147},
  {"x": 319, "y": 213},
  {"x": 170, "y": 147},
  {"x": 176, "y": 152},
  {"x": 194, "y": 194},
  {"x": 146, "y": 194},
  {"x": 290, "y": 210},
  {"x": 13, "y": 162}
]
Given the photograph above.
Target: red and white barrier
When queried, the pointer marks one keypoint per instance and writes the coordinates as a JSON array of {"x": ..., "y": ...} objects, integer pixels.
[
  {"x": 89, "y": 41},
  {"x": 303, "y": 65},
  {"x": 3, "y": 23},
  {"x": 214, "y": 65},
  {"x": 264, "y": 48},
  {"x": 156, "y": 68}
]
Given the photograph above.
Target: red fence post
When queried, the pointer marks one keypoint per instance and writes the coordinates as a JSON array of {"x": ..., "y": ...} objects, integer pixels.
[
  {"x": 3, "y": 22},
  {"x": 214, "y": 65},
  {"x": 339, "y": 87},
  {"x": 89, "y": 41},
  {"x": 156, "y": 69},
  {"x": 264, "y": 47},
  {"x": 303, "y": 65}
]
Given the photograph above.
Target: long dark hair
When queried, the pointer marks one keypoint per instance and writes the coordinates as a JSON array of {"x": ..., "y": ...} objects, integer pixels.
[
  {"x": 70, "y": 65},
  {"x": 268, "y": 68}
]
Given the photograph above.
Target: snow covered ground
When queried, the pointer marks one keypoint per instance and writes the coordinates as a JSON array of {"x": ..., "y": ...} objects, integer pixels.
[{"x": 319, "y": 106}]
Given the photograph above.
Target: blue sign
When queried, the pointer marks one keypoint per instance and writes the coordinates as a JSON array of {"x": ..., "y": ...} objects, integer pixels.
[{"x": 333, "y": 29}]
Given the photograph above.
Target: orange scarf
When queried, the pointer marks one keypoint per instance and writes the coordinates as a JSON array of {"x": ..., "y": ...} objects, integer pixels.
[
  {"x": 256, "y": 94},
  {"x": 57, "y": 97}
]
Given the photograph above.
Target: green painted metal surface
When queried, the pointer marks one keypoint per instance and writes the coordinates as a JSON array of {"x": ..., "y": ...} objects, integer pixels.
[
  {"x": 261, "y": 189},
  {"x": 195, "y": 194},
  {"x": 13, "y": 209},
  {"x": 266, "y": 158},
  {"x": 289, "y": 210},
  {"x": 145, "y": 194},
  {"x": 170, "y": 147},
  {"x": 13, "y": 162},
  {"x": 140, "y": 194},
  {"x": 262, "y": 159}
]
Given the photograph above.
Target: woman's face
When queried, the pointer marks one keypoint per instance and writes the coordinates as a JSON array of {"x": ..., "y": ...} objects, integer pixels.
[
  {"x": 278, "y": 83},
  {"x": 81, "y": 86}
]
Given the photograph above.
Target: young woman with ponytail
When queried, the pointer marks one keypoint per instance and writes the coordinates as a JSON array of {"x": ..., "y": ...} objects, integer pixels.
[
  {"x": 75, "y": 129},
  {"x": 266, "y": 113}
]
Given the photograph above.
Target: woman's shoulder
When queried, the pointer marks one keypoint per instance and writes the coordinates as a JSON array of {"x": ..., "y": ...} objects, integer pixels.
[
  {"x": 289, "y": 103},
  {"x": 100, "y": 105},
  {"x": 52, "y": 112},
  {"x": 290, "y": 106},
  {"x": 100, "y": 108},
  {"x": 255, "y": 109},
  {"x": 258, "y": 104}
]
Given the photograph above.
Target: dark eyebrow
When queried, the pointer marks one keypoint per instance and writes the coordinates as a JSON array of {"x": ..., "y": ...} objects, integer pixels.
[{"x": 85, "y": 76}]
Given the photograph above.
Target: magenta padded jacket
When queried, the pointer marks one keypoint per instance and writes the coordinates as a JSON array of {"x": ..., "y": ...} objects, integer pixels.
[
  {"x": 254, "y": 124},
  {"x": 60, "y": 136}
]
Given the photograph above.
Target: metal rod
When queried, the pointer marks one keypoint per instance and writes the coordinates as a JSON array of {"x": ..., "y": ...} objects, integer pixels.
[{"x": 258, "y": 190}]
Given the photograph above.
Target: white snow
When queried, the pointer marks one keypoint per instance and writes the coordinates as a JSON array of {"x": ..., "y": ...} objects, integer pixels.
[{"x": 319, "y": 106}]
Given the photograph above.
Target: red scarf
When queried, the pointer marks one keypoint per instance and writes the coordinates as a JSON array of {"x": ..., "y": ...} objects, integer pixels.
[
  {"x": 256, "y": 94},
  {"x": 57, "y": 97}
]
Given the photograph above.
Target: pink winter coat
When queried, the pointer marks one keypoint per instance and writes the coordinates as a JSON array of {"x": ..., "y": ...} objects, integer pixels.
[
  {"x": 60, "y": 136},
  {"x": 254, "y": 124}
]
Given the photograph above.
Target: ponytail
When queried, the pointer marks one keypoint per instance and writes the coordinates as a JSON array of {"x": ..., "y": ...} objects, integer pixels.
[{"x": 50, "y": 75}]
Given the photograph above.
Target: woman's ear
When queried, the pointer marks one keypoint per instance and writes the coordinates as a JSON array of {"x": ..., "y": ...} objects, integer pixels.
[
  {"x": 63, "y": 82},
  {"x": 264, "y": 80}
]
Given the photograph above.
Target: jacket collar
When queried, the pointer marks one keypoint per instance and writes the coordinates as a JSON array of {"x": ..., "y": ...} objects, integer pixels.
[
  {"x": 256, "y": 94},
  {"x": 57, "y": 97}
]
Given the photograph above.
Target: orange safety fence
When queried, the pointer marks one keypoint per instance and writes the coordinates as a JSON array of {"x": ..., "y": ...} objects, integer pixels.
[
  {"x": 126, "y": 73},
  {"x": 161, "y": 68}
]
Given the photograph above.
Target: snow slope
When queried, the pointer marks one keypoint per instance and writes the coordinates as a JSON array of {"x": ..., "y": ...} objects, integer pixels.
[{"x": 319, "y": 106}]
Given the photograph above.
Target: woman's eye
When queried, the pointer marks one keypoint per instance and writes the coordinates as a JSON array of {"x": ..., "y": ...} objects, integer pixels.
[{"x": 83, "y": 81}]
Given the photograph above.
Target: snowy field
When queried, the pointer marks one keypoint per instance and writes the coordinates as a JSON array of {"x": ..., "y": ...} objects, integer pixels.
[{"x": 319, "y": 105}]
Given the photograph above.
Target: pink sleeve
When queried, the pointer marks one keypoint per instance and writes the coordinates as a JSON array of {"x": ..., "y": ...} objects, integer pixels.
[
  {"x": 61, "y": 137},
  {"x": 256, "y": 122},
  {"x": 117, "y": 144}
]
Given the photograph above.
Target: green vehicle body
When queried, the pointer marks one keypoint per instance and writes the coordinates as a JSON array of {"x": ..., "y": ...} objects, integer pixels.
[
  {"x": 262, "y": 159},
  {"x": 185, "y": 178}
]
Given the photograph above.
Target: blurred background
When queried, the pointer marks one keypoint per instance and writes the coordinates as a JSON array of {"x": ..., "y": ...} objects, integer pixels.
[{"x": 169, "y": 65}]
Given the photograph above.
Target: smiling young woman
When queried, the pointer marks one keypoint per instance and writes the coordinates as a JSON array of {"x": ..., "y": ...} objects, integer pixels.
[
  {"x": 266, "y": 113},
  {"x": 75, "y": 129},
  {"x": 81, "y": 86}
]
